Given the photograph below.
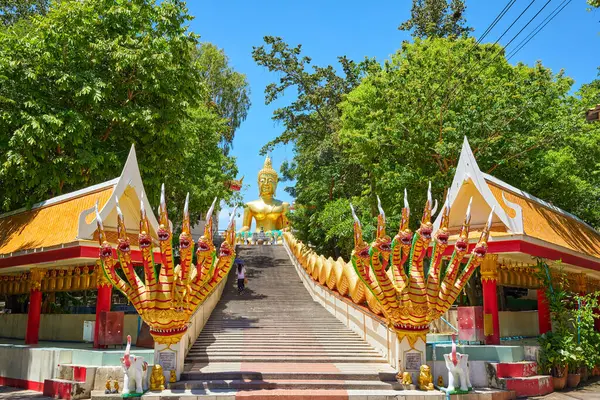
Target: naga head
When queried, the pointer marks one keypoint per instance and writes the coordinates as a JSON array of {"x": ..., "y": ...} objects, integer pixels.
[
  {"x": 205, "y": 249},
  {"x": 462, "y": 243},
  {"x": 144, "y": 238},
  {"x": 481, "y": 247},
  {"x": 426, "y": 229},
  {"x": 361, "y": 249},
  {"x": 405, "y": 235},
  {"x": 164, "y": 229},
  {"x": 227, "y": 246},
  {"x": 442, "y": 235},
  {"x": 105, "y": 247},
  {"x": 123, "y": 244},
  {"x": 382, "y": 241}
]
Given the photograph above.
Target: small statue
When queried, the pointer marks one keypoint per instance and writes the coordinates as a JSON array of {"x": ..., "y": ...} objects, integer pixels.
[
  {"x": 157, "y": 379},
  {"x": 173, "y": 377},
  {"x": 425, "y": 378},
  {"x": 458, "y": 370},
  {"x": 406, "y": 378},
  {"x": 440, "y": 381},
  {"x": 135, "y": 371},
  {"x": 116, "y": 387},
  {"x": 108, "y": 387}
]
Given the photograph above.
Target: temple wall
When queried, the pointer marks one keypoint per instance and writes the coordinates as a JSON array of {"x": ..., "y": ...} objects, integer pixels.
[{"x": 59, "y": 327}]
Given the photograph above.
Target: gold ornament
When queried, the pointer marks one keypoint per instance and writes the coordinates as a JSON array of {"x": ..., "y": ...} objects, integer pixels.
[
  {"x": 157, "y": 379},
  {"x": 425, "y": 378},
  {"x": 166, "y": 302},
  {"x": 35, "y": 278},
  {"x": 406, "y": 378},
  {"x": 440, "y": 381},
  {"x": 173, "y": 376}
]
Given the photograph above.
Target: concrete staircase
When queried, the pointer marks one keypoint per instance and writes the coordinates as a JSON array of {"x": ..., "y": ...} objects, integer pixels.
[
  {"x": 520, "y": 377},
  {"x": 274, "y": 340}
]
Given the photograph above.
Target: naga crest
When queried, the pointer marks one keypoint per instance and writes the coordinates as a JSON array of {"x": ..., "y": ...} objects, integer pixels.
[{"x": 167, "y": 300}]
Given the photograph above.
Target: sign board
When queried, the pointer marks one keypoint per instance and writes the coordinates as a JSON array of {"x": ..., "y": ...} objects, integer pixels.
[
  {"x": 168, "y": 360},
  {"x": 412, "y": 361}
]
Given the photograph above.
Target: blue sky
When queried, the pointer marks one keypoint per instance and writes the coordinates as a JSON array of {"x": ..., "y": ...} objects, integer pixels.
[{"x": 327, "y": 29}]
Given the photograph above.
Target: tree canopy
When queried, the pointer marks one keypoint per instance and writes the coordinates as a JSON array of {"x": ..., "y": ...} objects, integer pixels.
[
  {"x": 13, "y": 10},
  {"x": 398, "y": 126},
  {"x": 437, "y": 18},
  {"x": 82, "y": 83}
]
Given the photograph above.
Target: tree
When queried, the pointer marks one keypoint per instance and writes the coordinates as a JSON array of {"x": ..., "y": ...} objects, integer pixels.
[
  {"x": 229, "y": 92},
  {"x": 437, "y": 18},
  {"x": 408, "y": 121},
  {"x": 79, "y": 85},
  {"x": 311, "y": 122},
  {"x": 13, "y": 10},
  {"x": 594, "y": 3}
]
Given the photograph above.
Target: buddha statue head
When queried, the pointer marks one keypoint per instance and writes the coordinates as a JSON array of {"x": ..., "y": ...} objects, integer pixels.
[{"x": 267, "y": 180}]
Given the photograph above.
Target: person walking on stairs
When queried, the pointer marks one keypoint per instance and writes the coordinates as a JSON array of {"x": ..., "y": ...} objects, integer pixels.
[{"x": 241, "y": 275}]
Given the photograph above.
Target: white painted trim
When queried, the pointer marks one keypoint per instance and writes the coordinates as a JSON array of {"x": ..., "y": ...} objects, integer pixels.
[
  {"x": 129, "y": 177},
  {"x": 466, "y": 169},
  {"x": 63, "y": 197}
]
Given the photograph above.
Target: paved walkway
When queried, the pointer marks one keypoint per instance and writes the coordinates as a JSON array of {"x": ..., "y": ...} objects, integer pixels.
[
  {"x": 591, "y": 391},
  {"x": 9, "y": 393}
]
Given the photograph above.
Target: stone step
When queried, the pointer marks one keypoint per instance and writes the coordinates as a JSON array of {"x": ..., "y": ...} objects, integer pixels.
[
  {"x": 290, "y": 384},
  {"x": 275, "y": 358},
  {"x": 512, "y": 369},
  {"x": 282, "y": 353},
  {"x": 307, "y": 375},
  {"x": 537, "y": 385},
  {"x": 65, "y": 389}
]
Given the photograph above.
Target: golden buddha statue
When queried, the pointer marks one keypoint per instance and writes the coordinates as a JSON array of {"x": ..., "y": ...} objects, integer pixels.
[{"x": 268, "y": 212}]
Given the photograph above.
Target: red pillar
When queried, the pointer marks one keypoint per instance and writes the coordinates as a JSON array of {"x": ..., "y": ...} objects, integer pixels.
[
  {"x": 490, "y": 312},
  {"x": 102, "y": 304},
  {"x": 544, "y": 320},
  {"x": 33, "y": 316}
]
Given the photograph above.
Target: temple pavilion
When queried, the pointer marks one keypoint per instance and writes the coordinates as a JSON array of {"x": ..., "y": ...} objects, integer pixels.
[
  {"x": 53, "y": 246},
  {"x": 525, "y": 229}
]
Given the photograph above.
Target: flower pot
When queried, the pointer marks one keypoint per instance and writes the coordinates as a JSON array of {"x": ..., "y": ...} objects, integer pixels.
[
  {"x": 585, "y": 374},
  {"x": 573, "y": 380},
  {"x": 559, "y": 383}
]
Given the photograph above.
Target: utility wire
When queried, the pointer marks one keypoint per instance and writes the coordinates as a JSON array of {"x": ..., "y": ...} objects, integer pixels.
[
  {"x": 459, "y": 86},
  {"x": 491, "y": 26},
  {"x": 538, "y": 28}
]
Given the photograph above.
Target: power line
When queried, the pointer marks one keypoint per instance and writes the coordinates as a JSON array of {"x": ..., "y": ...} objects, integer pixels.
[
  {"x": 491, "y": 26},
  {"x": 538, "y": 28},
  {"x": 459, "y": 86}
]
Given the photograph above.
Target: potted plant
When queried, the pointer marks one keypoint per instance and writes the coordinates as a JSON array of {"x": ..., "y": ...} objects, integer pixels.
[
  {"x": 555, "y": 353},
  {"x": 575, "y": 360}
]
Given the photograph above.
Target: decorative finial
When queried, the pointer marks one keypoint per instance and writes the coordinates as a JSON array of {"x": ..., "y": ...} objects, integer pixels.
[
  {"x": 354, "y": 215},
  {"x": 98, "y": 217},
  {"x": 406, "y": 201},
  {"x": 468, "y": 215},
  {"x": 119, "y": 213},
  {"x": 381, "y": 212},
  {"x": 211, "y": 209},
  {"x": 163, "y": 203}
]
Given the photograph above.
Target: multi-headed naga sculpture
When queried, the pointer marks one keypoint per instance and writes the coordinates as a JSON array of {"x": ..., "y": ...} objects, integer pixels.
[
  {"x": 389, "y": 275},
  {"x": 167, "y": 300},
  {"x": 408, "y": 300}
]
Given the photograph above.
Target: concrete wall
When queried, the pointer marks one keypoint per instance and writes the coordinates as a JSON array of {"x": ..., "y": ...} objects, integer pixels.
[
  {"x": 59, "y": 327},
  {"x": 28, "y": 367},
  {"x": 518, "y": 323}
]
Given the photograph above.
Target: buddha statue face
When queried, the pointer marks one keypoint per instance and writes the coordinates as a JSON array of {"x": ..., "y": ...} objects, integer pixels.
[{"x": 267, "y": 180}]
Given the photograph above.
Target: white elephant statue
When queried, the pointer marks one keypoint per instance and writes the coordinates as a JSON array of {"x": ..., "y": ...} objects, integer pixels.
[
  {"x": 135, "y": 371},
  {"x": 458, "y": 370}
]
